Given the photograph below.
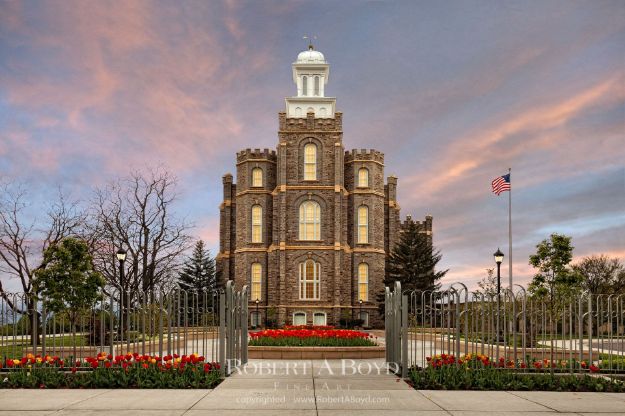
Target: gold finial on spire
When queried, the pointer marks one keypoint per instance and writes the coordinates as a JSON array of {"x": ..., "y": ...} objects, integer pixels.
[{"x": 310, "y": 38}]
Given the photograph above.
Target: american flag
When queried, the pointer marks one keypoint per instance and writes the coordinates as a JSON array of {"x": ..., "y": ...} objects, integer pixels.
[{"x": 501, "y": 184}]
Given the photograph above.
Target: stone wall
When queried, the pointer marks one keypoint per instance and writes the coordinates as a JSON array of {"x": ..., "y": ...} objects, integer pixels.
[{"x": 337, "y": 250}]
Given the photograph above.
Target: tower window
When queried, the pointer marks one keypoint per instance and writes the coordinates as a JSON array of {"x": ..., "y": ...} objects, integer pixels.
[
  {"x": 304, "y": 85},
  {"x": 364, "y": 317},
  {"x": 299, "y": 318},
  {"x": 257, "y": 177},
  {"x": 317, "y": 86},
  {"x": 319, "y": 318},
  {"x": 310, "y": 162},
  {"x": 309, "y": 221},
  {"x": 363, "y": 178},
  {"x": 256, "y": 281},
  {"x": 257, "y": 224},
  {"x": 255, "y": 319},
  {"x": 363, "y": 282},
  {"x": 363, "y": 224},
  {"x": 309, "y": 272}
]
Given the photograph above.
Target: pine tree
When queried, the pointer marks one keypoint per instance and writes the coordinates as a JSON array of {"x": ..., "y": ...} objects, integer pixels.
[
  {"x": 198, "y": 274},
  {"x": 413, "y": 261}
]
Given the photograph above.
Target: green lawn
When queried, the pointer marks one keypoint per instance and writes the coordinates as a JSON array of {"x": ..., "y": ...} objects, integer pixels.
[{"x": 16, "y": 349}]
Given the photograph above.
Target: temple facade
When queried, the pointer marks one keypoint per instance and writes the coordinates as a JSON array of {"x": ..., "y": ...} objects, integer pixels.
[{"x": 308, "y": 226}]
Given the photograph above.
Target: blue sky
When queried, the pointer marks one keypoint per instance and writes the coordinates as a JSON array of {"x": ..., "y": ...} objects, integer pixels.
[{"x": 452, "y": 92}]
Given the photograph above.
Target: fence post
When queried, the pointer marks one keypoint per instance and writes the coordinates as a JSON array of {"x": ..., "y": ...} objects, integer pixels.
[
  {"x": 387, "y": 327},
  {"x": 404, "y": 335},
  {"x": 160, "y": 323},
  {"x": 222, "y": 333},
  {"x": 112, "y": 332},
  {"x": 43, "y": 329},
  {"x": 590, "y": 329},
  {"x": 244, "y": 323}
]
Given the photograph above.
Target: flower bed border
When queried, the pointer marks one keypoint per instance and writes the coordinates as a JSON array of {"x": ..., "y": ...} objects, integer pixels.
[{"x": 315, "y": 353}]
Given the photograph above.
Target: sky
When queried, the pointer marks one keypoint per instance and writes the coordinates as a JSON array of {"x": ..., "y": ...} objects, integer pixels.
[{"x": 452, "y": 92}]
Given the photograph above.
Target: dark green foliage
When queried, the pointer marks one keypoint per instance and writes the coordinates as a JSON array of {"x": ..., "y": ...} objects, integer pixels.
[
  {"x": 413, "y": 261},
  {"x": 462, "y": 378},
  {"x": 68, "y": 283},
  {"x": 553, "y": 279},
  {"x": 601, "y": 274}
]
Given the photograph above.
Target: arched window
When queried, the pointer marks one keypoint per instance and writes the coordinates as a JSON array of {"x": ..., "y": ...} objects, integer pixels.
[
  {"x": 309, "y": 280},
  {"x": 364, "y": 316},
  {"x": 363, "y": 224},
  {"x": 309, "y": 221},
  {"x": 257, "y": 224},
  {"x": 363, "y": 178},
  {"x": 310, "y": 162},
  {"x": 257, "y": 177},
  {"x": 299, "y": 318},
  {"x": 256, "y": 279},
  {"x": 304, "y": 85},
  {"x": 255, "y": 319},
  {"x": 320, "y": 318},
  {"x": 316, "y": 86},
  {"x": 363, "y": 282}
]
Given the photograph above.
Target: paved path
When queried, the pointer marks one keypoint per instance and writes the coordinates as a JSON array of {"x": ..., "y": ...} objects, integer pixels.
[{"x": 308, "y": 388}]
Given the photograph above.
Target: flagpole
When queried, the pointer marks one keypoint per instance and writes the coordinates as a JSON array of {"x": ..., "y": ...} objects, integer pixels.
[{"x": 510, "y": 227}]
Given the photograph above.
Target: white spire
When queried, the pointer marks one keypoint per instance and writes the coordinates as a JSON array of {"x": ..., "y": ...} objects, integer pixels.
[{"x": 310, "y": 75}]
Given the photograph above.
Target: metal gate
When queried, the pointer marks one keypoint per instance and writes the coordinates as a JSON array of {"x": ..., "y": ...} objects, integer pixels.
[
  {"x": 396, "y": 329},
  {"x": 210, "y": 323}
]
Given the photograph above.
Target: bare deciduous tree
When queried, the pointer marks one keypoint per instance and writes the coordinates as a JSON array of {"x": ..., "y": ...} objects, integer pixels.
[
  {"x": 22, "y": 243},
  {"x": 136, "y": 213}
]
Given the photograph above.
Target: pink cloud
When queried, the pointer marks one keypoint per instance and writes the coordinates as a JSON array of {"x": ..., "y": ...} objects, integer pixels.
[
  {"x": 476, "y": 148},
  {"x": 165, "y": 101}
]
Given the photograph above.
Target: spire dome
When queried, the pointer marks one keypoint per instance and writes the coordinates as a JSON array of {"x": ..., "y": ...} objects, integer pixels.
[{"x": 310, "y": 56}]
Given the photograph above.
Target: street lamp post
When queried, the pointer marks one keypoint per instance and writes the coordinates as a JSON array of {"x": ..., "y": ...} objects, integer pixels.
[
  {"x": 121, "y": 256},
  {"x": 360, "y": 313},
  {"x": 498, "y": 259},
  {"x": 257, "y": 315}
]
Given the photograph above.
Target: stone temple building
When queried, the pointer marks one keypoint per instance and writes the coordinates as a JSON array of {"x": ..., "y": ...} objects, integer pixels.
[{"x": 308, "y": 226}]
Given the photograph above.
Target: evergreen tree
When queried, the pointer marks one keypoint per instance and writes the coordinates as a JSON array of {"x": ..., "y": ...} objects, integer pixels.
[
  {"x": 198, "y": 274},
  {"x": 413, "y": 261}
]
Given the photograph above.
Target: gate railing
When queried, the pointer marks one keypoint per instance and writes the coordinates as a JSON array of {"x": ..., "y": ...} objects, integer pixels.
[
  {"x": 396, "y": 326},
  {"x": 211, "y": 323},
  {"x": 580, "y": 333}
]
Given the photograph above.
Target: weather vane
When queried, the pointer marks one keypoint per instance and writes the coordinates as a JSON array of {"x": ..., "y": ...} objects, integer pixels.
[{"x": 310, "y": 39}]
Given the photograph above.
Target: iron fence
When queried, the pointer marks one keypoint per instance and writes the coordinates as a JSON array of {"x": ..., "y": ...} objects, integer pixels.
[
  {"x": 578, "y": 333},
  {"x": 209, "y": 323}
]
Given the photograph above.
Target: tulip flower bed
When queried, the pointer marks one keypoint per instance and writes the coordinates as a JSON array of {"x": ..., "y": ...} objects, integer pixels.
[
  {"x": 479, "y": 372},
  {"x": 106, "y": 371},
  {"x": 311, "y": 336}
]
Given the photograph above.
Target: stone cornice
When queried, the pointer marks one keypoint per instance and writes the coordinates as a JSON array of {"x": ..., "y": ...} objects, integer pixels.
[
  {"x": 336, "y": 247},
  {"x": 364, "y": 161}
]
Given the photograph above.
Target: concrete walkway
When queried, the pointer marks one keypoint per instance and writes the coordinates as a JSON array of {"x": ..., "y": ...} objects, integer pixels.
[{"x": 307, "y": 388}]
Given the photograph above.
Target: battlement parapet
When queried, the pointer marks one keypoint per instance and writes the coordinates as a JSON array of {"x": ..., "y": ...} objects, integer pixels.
[
  {"x": 364, "y": 155},
  {"x": 311, "y": 123},
  {"x": 425, "y": 225},
  {"x": 256, "y": 154}
]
